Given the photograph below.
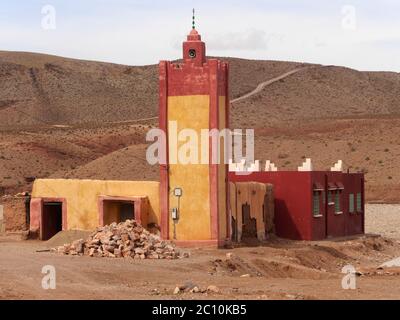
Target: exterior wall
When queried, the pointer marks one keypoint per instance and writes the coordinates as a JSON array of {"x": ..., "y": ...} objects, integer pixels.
[
  {"x": 81, "y": 199},
  {"x": 190, "y": 112},
  {"x": 318, "y": 224},
  {"x": 343, "y": 223},
  {"x": 354, "y": 183},
  {"x": 14, "y": 213},
  {"x": 336, "y": 222},
  {"x": 293, "y": 191},
  {"x": 293, "y": 198},
  {"x": 256, "y": 199}
]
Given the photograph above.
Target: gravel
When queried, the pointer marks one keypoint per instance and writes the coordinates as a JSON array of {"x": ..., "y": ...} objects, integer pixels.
[{"x": 383, "y": 219}]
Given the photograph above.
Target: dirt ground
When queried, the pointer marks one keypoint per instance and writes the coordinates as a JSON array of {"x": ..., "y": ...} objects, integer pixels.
[{"x": 277, "y": 269}]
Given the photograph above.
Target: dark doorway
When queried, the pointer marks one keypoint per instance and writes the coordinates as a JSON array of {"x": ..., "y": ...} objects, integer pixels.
[
  {"x": 249, "y": 230},
  {"x": 234, "y": 230},
  {"x": 118, "y": 211},
  {"x": 51, "y": 219},
  {"x": 127, "y": 211}
]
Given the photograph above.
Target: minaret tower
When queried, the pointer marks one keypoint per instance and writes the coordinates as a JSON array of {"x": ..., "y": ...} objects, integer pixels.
[{"x": 193, "y": 196}]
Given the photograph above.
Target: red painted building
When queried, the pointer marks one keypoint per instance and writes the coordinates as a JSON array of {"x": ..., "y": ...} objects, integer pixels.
[{"x": 314, "y": 205}]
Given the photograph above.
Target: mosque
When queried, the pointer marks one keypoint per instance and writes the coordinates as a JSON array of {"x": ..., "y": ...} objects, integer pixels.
[{"x": 205, "y": 204}]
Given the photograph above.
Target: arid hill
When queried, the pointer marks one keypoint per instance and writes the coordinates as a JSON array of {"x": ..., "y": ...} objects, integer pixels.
[
  {"x": 39, "y": 89},
  {"x": 70, "y": 118}
]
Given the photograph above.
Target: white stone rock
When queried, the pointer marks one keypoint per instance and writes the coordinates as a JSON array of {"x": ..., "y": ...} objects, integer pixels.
[{"x": 177, "y": 290}]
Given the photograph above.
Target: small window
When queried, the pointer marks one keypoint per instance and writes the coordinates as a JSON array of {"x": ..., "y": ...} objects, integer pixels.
[
  {"x": 359, "y": 202},
  {"x": 337, "y": 201},
  {"x": 316, "y": 199},
  {"x": 351, "y": 202},
  {"x": 330, "y": 197}
]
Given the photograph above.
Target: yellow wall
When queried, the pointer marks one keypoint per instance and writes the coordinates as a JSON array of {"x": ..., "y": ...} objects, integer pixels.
[
  {"x": 82, "y": 197},
  {"x": 193, "y": 112},
  {"x": 190, "y": 112}
]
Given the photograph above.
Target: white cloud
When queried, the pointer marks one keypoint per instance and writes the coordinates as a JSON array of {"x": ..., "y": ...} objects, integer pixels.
[{"x": 251, "y": 39}]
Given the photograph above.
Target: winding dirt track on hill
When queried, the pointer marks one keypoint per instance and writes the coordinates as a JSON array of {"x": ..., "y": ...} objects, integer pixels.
[
  {"x": 264, "y": 84},
  {"x": 258, "y": 89}
]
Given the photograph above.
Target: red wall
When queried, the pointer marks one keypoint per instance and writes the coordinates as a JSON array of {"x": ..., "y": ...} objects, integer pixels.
[
  {"x": 355, "y": 221},
  {"x": 293, "y": 193},
  {"x": 336, "y": 223},
  {"x": 319, "y": 224},
  {"x": 293, "y": 199}
]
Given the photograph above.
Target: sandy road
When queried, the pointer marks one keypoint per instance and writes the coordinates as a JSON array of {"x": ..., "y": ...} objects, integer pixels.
[{"x": 277, "y": 270}]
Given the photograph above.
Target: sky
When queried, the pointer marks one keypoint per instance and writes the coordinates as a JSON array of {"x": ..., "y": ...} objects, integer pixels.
[{"x": 360, "y": 34}]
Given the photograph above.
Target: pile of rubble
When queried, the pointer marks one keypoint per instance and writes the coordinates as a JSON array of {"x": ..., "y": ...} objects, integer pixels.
[{"x": 126, "y": 239}]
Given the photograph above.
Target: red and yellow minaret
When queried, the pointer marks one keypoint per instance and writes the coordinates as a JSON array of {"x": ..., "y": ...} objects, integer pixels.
[{"x": 193, "y": 95}]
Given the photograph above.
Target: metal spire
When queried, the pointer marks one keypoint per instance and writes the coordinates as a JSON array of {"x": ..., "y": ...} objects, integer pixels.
[{"x": 193, "y": 20}]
